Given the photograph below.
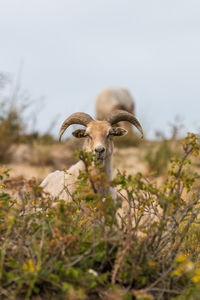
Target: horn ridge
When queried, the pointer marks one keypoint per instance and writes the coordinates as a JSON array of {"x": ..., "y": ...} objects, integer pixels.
[
  {"x": 76, "y": 118},
  {"x": 121, "y": 115}
]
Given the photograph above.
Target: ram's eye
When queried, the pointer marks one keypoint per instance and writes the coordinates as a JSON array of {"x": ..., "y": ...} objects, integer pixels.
[{"x": 110, "y": 133}]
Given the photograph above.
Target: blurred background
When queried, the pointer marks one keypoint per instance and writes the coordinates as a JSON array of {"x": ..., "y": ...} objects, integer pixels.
[{"x": 58, "y": 55}]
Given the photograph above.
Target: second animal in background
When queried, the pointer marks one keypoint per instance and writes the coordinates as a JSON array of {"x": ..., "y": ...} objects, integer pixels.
[{"x": 110, "y": 99}]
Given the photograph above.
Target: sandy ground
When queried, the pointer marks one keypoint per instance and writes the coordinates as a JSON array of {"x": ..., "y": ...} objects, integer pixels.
[
  {"x": 130, "y": 159},
  {"x": 28, "y": 161},
  {"x": 37, "y": 160}
]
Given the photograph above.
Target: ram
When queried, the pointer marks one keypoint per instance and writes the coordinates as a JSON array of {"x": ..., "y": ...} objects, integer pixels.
[
  {"x": 99, "y": 140},
  {"x": 110, "y": 99}
]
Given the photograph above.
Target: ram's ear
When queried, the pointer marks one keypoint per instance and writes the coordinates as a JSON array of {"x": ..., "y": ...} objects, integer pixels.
[
  {"x": 118, "y": 131},
  {"x": 79, "y": 133}
]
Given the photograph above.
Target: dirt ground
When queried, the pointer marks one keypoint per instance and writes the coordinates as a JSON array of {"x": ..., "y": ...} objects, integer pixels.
[{"x": 37, "y": 161}]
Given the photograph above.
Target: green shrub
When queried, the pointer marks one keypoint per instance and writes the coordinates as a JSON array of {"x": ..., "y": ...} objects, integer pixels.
[{"x": 87, "y": 249}]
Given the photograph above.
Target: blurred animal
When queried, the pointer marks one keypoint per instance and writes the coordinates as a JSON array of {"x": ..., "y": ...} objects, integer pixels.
[
  {"x": 99, "y": 140},
  {"x": 110, "y": 99}
]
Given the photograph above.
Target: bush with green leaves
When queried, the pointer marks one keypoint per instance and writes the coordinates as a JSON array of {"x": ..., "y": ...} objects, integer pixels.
[{"x": 95, "y": 247}]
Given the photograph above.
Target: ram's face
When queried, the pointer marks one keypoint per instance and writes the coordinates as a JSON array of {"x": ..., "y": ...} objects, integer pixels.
[{"x": 99, "y": 138}]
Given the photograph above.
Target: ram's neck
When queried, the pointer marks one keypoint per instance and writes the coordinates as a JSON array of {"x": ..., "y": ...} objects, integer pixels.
[
  {"x": 104, "y": 189},
  {"x": 108, "y": 167}
]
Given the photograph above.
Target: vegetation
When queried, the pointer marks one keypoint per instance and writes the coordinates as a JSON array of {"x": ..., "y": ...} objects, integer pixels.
[
  {"x": 131, "y": 139},
  {"x": 159, "y": 153},
  {"x": 144, "y": 245},
  {"x": 16, "y": 106}
]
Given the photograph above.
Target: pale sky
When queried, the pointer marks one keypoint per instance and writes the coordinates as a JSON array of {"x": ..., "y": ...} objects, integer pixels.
[{"x": 71, "y": 49}]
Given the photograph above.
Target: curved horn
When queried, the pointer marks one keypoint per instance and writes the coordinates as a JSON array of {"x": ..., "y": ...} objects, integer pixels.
[
  {"x": 76, "y": 118},
  {"x": 121, "y": 115}
]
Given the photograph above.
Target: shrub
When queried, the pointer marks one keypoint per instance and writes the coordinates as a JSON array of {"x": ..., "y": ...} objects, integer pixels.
[
  {"x": 158, "y": 159},
  {"x": 14, "y": 105},
  {"x": 92, "y": 249},
  {"x": 10, "y": 128},
  {"x": 158, "y": 154}
]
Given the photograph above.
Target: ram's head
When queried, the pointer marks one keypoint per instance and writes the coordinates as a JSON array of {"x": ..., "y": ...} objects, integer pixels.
[{"x": 99, "y": 134}]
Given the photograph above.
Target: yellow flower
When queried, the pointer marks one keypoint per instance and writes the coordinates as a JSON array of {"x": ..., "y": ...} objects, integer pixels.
[
  {"x": 77, "y": 211},
  {"x": 196, "y": 278},
  {"x": 33, "y": 202},
  {"x": 31, "y": 266},
  {"x": 25, "y": 267},
  {"x": 181, "y": 258},
  {"x": 184, "y": 267}
]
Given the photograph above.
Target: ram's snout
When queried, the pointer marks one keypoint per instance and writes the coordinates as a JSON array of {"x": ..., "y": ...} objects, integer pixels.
[{"x": 100, "y": 152}]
